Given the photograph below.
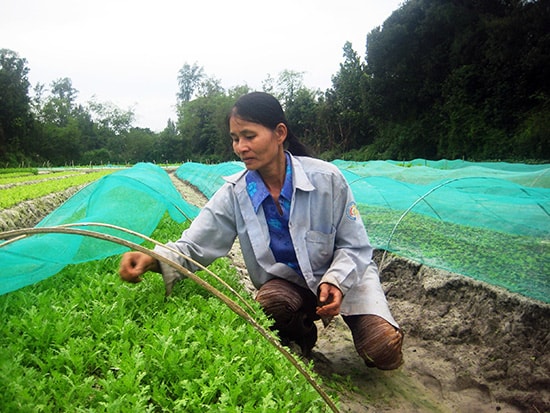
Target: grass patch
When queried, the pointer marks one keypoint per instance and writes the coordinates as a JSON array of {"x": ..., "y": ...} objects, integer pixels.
[
  {"x": 18, "y": 171},
  {"x": 14, "y": 195},
  {"x": 22, "y": 179}
]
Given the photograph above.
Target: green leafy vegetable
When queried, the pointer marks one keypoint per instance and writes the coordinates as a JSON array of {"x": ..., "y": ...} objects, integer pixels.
[{"x": 85, "y": 341}]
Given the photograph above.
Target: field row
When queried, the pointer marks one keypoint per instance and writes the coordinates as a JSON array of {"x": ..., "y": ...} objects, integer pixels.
[
  {"x": 9, "y": 180},
  {"x": 13, "y": 195}
]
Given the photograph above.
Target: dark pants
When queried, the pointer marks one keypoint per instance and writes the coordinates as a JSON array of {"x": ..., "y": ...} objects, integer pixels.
[{"x": 293, "y": 311}]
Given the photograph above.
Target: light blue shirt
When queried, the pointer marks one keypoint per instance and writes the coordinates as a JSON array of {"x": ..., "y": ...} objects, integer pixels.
[{"x": 329, "y": 238}]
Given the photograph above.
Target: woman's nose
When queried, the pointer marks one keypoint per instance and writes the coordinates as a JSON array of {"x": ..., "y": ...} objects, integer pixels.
[{"x": 240, "y": 146}]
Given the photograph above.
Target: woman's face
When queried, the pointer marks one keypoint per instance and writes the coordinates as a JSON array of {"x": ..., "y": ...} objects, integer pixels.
[{"x": 256, "y": 145}]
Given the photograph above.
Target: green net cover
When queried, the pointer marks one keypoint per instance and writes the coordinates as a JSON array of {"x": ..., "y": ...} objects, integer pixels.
[
  {"x": 488, "y": 221},
  {"x": 207, "y": 178},
  {"x": 421, "y": 171},
  {"x": 134, "y": 198}
]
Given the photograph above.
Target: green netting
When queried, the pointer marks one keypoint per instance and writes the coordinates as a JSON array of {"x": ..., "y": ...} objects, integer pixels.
[
  {"x": 488, "y": 221},
  {"x": 134, "y": 198},
  {"x": 421, "y": 171},
  {"x": 475, "y": 201},
  {"x": 207, "y": 178}
]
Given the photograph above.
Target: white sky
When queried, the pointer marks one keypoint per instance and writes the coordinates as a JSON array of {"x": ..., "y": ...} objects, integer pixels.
[{"x": 129, "y": 52}]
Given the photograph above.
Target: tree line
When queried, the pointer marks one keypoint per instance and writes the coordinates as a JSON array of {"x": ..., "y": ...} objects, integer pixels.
[{"x": 439, "y": 79}]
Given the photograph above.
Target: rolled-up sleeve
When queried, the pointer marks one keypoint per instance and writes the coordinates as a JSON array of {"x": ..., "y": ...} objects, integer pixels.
[{"x": 210, "y": 235}]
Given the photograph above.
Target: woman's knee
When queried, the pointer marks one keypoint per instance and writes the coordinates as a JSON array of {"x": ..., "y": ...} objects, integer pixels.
[
  {"x": 377, "y": 341},
  {"x": 279, "y": 298},
  {"x": 293, "y": 310}
]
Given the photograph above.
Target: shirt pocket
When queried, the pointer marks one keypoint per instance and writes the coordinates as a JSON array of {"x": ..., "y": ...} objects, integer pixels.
[{"x": 320, "y": 248}]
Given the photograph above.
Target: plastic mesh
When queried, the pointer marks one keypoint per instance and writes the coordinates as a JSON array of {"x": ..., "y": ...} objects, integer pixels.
[
  {"x": 207, "y": 178},
  {"x": 135, "y": 198},
  {"x": 488, "y": 221}
]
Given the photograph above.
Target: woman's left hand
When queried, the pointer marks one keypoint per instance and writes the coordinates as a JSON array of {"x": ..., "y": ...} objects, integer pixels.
[{"x": 330, "y": 299}]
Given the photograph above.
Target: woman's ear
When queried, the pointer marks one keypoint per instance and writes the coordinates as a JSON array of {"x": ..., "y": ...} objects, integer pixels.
[{"x": 281, "y": 132}]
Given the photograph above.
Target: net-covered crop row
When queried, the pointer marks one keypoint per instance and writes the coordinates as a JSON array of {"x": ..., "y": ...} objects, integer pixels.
[
  {"x": 479, "y": 253},
  {"x": 133, "y": 199},
  {"x": 488, "y": 221}
]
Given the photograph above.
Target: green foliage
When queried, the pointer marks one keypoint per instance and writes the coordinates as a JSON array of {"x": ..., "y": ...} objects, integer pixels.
[
  {"x": 350, "y": 121},
  {"x": 96, "y": 157},
  {"x": 15, "y": 172},
  {"x": 59, "y": 106},
  {"x": 168, "y": 147},
  {"x": 15, "y": 117},
  {"x": 453, "y": 80},
  {"x": 61, "y": 143},
  {"x": 189, "y": 79},
  {"x": 534, "y": 132},
  {"x": 303, "y": 113},
  {"x": 85, "y": 341},
  {"x": 202, "y": 124}
]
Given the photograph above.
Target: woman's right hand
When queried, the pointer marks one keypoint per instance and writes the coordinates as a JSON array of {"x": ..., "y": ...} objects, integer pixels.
[{"x": 133, "y": 264}]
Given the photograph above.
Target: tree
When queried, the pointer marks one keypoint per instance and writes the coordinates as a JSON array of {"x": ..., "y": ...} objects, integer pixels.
[
  {"x": 61, "y": 133},
  {"x": 288, "y": 84},
  {"x": 60, "y": 145},
  {"x": 63, "y": 90},
  {"x": 460, "y": 79},
  {"x": 15, "y": 114},
  {"x": 210, "y": 86},
  {"x": 169, "y": 146},
  {"x": 268, "y": 84},
  {"x": 189, "y": 79},
  {"x": 58, "y": 107},
  {"x": 109, "y": 116},
  {"x": 302, "y": 114},
  {"x": 139, "y": 145},
  {"x": 202, "y": 127},
  {"x": 285, "y": 87},
  {"x": 348, "y": 119}
]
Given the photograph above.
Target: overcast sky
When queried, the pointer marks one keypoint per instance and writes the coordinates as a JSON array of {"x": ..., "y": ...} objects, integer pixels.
[{"x": 129, "y": 52}]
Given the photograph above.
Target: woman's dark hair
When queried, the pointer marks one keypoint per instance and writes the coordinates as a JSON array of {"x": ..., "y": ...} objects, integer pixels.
[{"x": 264, "y": 109}]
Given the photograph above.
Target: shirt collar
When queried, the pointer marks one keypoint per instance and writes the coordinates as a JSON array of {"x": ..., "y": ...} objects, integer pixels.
[{"x": 258, "y": 192}]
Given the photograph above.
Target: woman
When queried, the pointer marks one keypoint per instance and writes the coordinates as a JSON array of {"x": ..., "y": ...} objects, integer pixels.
[{"x": 303, "y": 241}]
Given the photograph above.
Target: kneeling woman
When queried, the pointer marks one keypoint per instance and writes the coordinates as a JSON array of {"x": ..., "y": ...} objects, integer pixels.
[{"x": 303, "y": 241}]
